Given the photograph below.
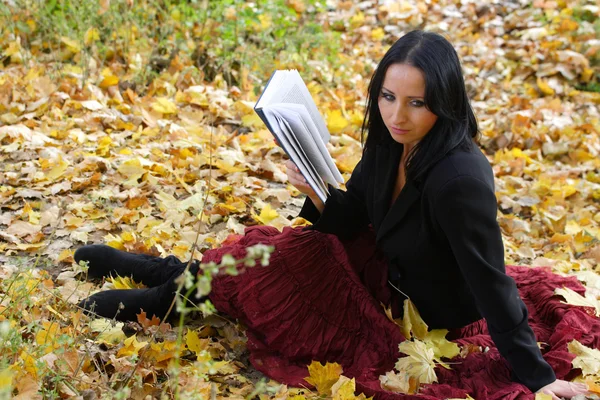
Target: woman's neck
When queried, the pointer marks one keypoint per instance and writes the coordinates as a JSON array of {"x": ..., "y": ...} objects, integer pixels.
[{"x": 407, "y": 148}]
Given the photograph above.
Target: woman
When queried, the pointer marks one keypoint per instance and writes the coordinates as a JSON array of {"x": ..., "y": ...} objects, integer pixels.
[{"x": 428, "y": 192}]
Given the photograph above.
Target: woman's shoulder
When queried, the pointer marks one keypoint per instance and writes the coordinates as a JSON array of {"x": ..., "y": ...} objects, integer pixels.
[{"x": 461, "y": 164}]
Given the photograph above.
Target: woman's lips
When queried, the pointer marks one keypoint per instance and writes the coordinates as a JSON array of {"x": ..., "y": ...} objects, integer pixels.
[{"x": 399, "y": 131}]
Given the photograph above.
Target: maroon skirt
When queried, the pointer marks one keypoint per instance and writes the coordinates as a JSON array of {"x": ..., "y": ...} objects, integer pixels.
[{"x": 321, "y": 299}]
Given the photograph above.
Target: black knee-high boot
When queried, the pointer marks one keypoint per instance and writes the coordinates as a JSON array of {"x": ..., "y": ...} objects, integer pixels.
[
  {"x": 104, "y": 260},
  {"x": 125, "y": 304}
]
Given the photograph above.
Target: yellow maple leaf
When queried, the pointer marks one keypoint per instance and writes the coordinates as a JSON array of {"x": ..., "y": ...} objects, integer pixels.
[
  {"x": 29, "y": 362},
  {"x": 576, "y": 299},
  {"x": 587, "y": 74},
  {"x": 299, "y": 221},
  {"x": 162, "y": 351},
  {"x": 336, "y": 121},
  {"x": 267, "y": 214},
  {"x": 109, "y": 80},
  {"x": 357, "y": 19},
  {"x": 588, "y": 360},
  {"x": 48, "y": 336},
  {"x": 66, "y": 255},
  {"x": 125, "y": 282},
  {"x": 131, "y": 346},
  {"x": 252, "y": 121},
  {"x": 344, "y": 389},
  {"x": 164, "y": 106},
  {"x": 377, "y": 34},
  {"x": 132, "y": 170},
  {"x": 542, "y": 396},
  {"x": 412, "y": 323},
  {"x": 194, "y": 342},
  {"x": 442, "y": 347},
  {"x": 419, "y": 361},
  {"x": 71, "y": 44},
  {"x": 108, "y": 331},
  {"x": 544, "y": 87},
  {"x": 6, "y": 380},
  {"x": 14, "y": 48},
  {"x": 323, "y": 377},
  {"x": 58, "y": 170},
  {"x": 91, "y": 35}
]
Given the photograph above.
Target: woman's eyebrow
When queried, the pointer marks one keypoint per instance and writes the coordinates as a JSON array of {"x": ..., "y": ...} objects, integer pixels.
[{"x": 410, "y": 97}]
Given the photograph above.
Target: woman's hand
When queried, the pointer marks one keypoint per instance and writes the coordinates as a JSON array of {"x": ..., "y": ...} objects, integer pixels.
[
  {"x": 560, "y": 388},
  {"x": 296, "y": 179}
]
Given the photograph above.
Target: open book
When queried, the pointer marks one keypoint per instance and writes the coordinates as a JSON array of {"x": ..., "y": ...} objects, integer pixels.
[{"x": 290, "y": 113}]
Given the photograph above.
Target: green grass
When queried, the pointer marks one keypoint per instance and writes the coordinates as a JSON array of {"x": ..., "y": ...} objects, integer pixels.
[{"x": 141, "y": 38}]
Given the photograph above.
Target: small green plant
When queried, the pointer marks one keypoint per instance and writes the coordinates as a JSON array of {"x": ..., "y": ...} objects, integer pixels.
[{"x": 589, "y": 87}]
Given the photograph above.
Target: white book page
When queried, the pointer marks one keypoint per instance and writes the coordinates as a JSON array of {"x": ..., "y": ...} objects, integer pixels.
[
  {"x": 303, "y": 159},
  {"x": 287, "y": 110},
  {"x": 307, "y": 143},
  {"x": 273, "y": 86},
  {"x": 290, "y": 88},
  {"x": 296, "y": 154}
]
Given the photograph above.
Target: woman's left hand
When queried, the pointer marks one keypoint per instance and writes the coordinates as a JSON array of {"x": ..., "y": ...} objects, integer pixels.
[{"x": 560, "y": 388}]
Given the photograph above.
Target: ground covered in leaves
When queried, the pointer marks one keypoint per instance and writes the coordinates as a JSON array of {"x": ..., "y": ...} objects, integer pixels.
[{"x": 131, "y": 123}]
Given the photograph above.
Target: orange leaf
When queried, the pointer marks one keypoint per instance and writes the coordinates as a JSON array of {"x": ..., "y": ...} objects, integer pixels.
[{"x": 145, "y": 322}]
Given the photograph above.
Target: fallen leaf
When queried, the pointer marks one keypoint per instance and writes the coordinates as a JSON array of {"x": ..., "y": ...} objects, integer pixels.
[
  {"x": 575, "y": 299},
  {"x": 109, "y": 332},
  {"x": 131, "y": 347},
  {"x": 27, "y": 388},
  {"x": 442, "y": 347},
  {"x": 419, "y": 361},
  {"x": 145, "y": 322},
  {"x": 344, "y": 389},
  {"x": 588, "y": 360},
  {"x": 125, "y": 282},
  {"x": 336, "y": 122},
  {"x": 398, "y": 382},
  {"x": 194, "y": 342},
  {"x": 412, "y": 323},
  {"x": 164, "y": 106},
  {"x": 593, "y": 385},
  {"x": 267, "y": 214},
  {"x": 323, "y": 377},
  {"x": 6, "y": 380},
  {"x": 92, "y": 105}
]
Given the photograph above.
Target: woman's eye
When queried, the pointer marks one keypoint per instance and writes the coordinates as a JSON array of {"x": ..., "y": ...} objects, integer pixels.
[
  {"x": 417, "y": 103},
  {"x": 388, "y": 97}
]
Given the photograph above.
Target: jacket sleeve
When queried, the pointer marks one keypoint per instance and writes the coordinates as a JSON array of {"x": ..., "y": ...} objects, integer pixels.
[
  {"x": 345, "y": 213},
  {"x": 466, "y": 209}
]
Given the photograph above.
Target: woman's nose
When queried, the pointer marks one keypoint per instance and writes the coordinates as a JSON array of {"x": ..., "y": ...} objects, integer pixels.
[{"x": 399, "y": 114}]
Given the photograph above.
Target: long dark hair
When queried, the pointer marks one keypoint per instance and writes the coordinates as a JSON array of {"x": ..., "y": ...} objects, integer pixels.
[{"x": 445, "y": 96}]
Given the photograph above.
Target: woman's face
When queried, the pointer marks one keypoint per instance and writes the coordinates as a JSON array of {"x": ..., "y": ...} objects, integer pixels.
[{"x": 402, "y": 104}]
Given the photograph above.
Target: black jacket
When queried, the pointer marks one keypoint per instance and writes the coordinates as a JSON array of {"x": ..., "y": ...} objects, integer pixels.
[{"x": 443, "y": 244}]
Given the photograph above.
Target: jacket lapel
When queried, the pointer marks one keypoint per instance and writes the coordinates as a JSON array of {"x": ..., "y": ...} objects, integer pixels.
[{"x": 409, "y": 195}]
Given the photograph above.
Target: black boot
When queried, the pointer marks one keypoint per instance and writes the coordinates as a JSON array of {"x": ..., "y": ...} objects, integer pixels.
[
  {"x": 125, "y": 304},
  {"x": 106, "y": 261}
]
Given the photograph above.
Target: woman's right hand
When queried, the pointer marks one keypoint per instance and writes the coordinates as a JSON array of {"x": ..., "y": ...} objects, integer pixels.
[{"x": 296, "y": 179}]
